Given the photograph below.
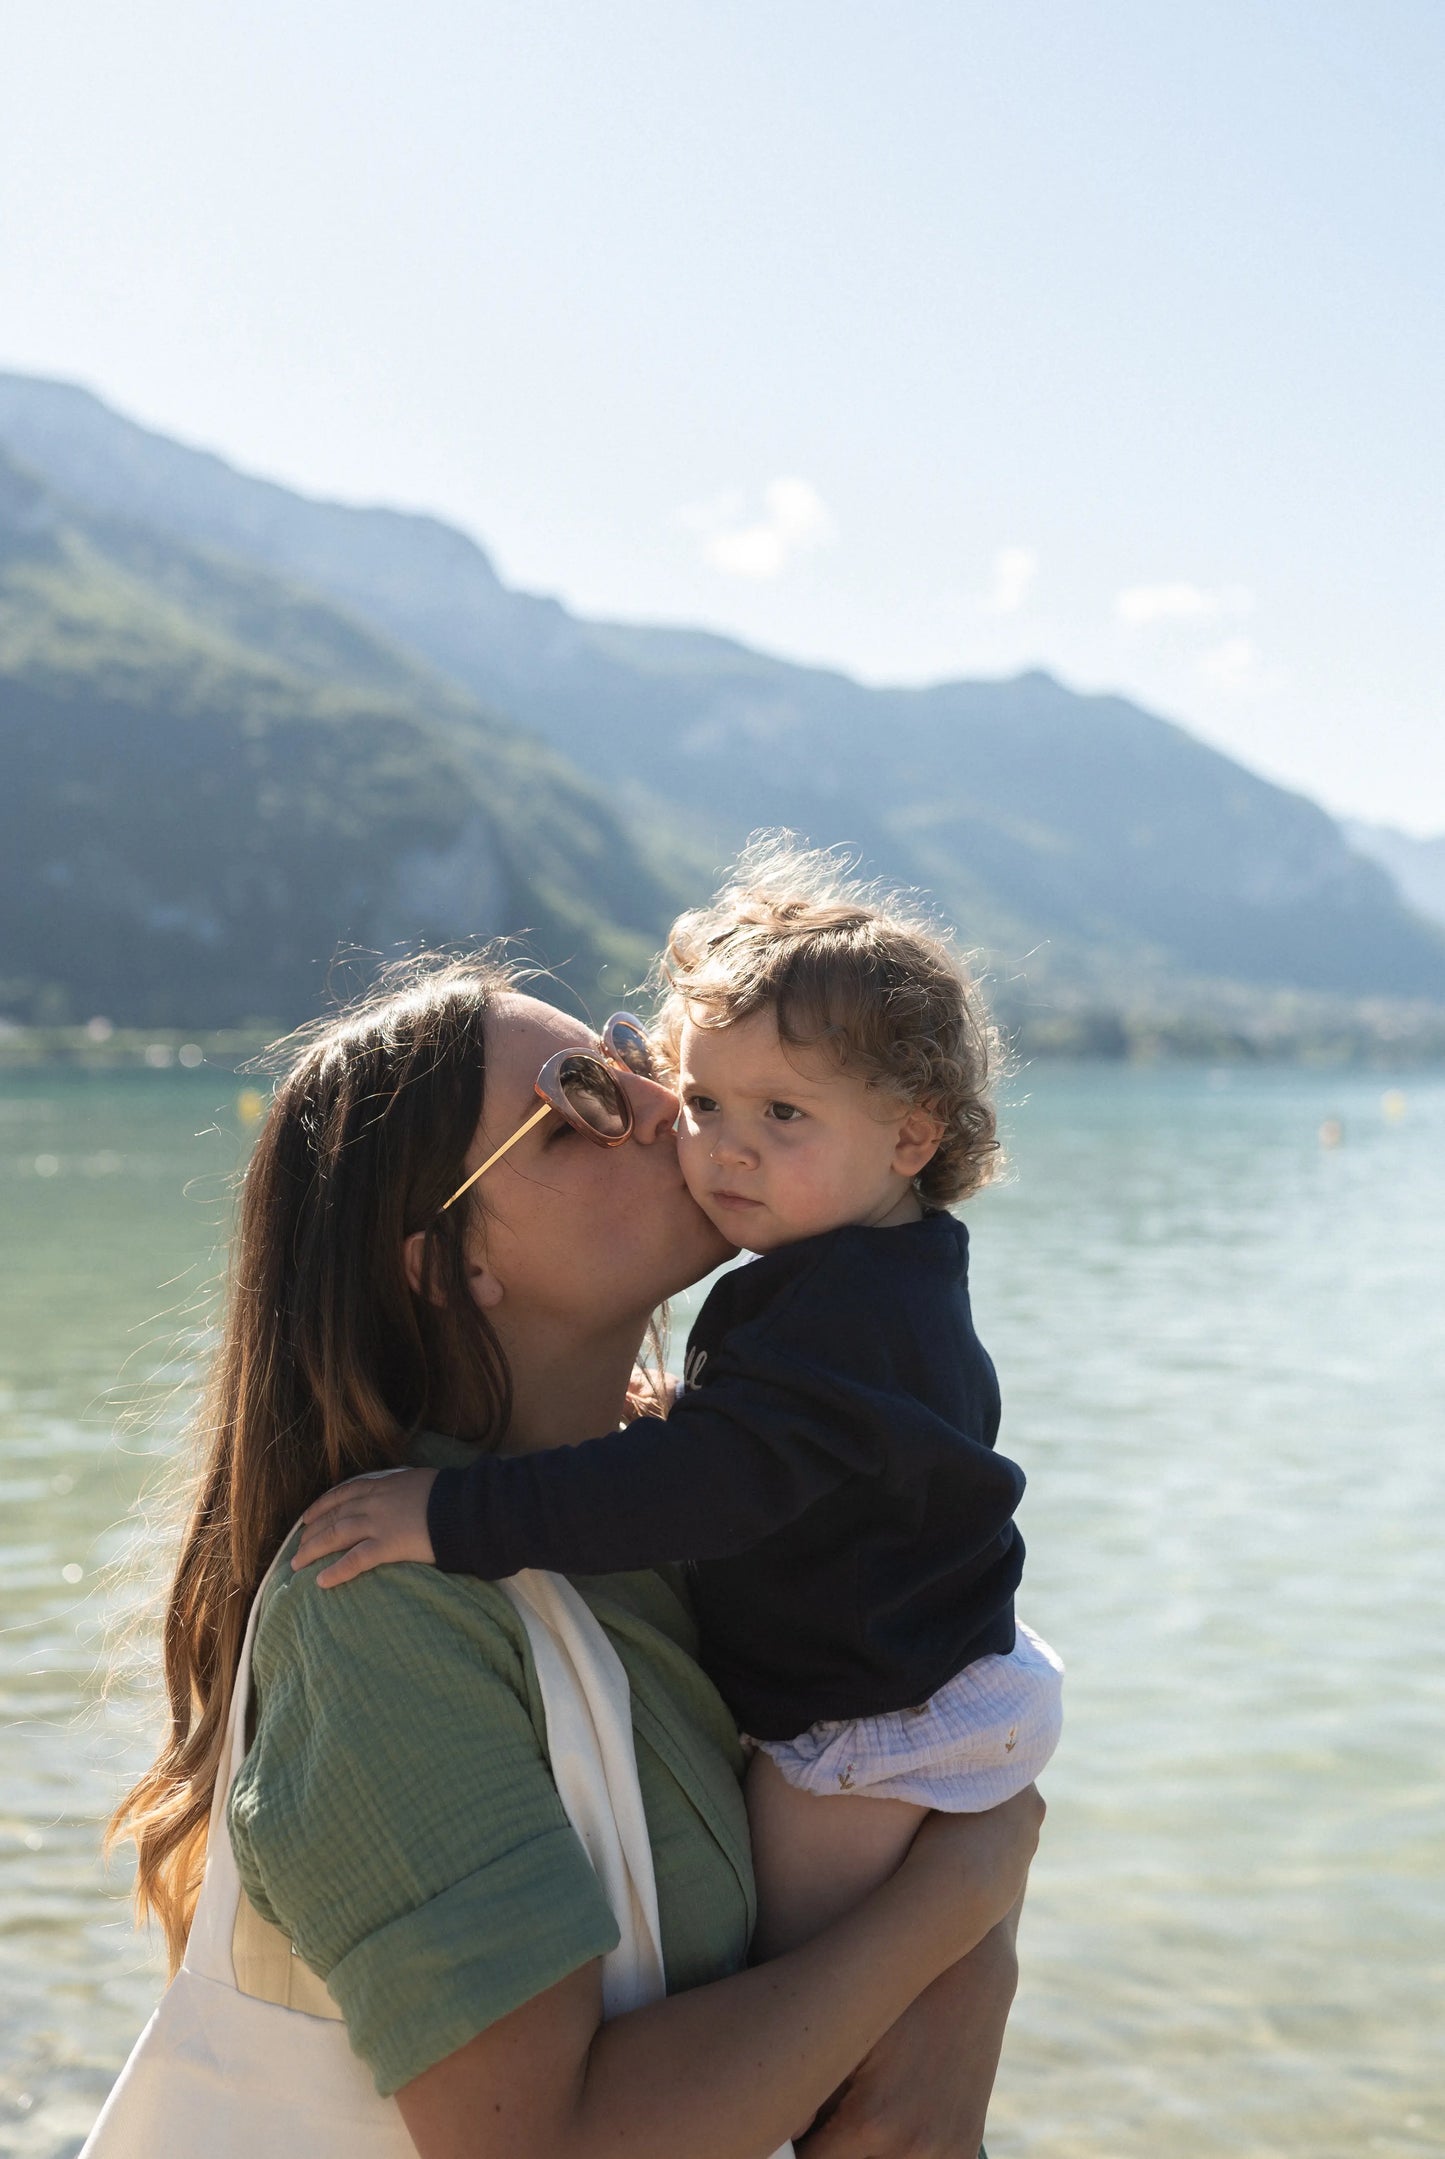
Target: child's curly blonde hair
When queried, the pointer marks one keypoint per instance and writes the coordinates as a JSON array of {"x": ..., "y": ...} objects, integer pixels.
[{"x": 852, "y": 969}]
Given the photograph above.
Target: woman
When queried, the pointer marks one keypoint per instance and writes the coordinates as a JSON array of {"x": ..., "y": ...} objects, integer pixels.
[{"x": 395, "y": 1816}]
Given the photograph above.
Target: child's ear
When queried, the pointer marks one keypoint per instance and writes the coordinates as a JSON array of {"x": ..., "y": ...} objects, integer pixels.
[
  {"x": 920, "y": 1135},
  {"x": 485, "y": 1288}
]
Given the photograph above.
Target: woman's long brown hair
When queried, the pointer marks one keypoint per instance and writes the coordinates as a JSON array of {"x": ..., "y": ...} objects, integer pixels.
[{"x": 328, "y": 1361}]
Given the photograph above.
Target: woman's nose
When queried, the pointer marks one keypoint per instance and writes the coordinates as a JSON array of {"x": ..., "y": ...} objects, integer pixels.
[{"x": 654, "y": 1107}]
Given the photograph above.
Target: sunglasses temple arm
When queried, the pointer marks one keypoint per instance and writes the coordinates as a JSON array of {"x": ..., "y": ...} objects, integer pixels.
[{"x": 520, "y": 1133}]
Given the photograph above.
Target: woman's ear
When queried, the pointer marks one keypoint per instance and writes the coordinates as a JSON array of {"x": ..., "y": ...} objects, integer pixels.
[
  {"x": 480, "y": 1281},
  {"x": 920, "y": 1134},
  {"x": 413, "y": 1266},
  {"x": 413, "y": 1259},
  {"x": 486, "y": 1290}
]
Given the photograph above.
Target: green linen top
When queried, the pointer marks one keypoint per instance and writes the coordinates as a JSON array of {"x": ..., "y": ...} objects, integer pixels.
[{"x": 396, "y": 1815}]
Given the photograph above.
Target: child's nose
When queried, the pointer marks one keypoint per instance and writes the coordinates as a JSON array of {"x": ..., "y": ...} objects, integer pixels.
[{"x": 729, "y": 1146}]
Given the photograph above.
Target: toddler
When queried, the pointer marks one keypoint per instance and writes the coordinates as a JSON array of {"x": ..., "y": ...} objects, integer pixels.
[{"x": 828, "y": 1468}]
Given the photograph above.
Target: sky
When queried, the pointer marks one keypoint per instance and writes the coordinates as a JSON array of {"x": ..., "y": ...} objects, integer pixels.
[{"x": 934, "y": 339}]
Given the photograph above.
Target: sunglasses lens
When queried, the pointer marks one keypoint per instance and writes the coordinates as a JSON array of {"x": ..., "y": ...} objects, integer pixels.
[
  {"x": 594, "y": 1097},
  {"x": 625, "y": 1039}
]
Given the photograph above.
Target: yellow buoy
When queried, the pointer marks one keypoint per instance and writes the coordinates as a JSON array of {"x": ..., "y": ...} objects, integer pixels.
[
  {"x": 250, "y": 1106},
  {"x": 1392, "y": 1105}
]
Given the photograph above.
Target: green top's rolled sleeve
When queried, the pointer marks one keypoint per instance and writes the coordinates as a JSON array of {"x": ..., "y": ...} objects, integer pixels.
[
  {"x": 425, "y": 1984},
  {"x": 396, "y": 1814}
]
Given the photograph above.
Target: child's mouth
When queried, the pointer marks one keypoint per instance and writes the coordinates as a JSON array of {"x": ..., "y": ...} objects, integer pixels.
[{"x": 733, "y": 1199}]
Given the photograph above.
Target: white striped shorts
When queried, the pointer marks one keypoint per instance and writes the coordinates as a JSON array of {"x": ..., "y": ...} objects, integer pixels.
[{"x": 983, "y": 1736}]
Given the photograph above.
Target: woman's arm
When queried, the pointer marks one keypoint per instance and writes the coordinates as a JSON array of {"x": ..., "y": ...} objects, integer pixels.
[{"x": 730, "y": 2070}]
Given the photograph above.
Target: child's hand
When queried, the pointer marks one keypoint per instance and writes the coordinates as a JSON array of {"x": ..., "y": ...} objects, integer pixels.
[
  {"x": 371, "y": 1521},
  {"x": 650, "y": 1394}
]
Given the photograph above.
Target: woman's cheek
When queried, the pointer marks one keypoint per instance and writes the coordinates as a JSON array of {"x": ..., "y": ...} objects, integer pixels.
[{"x": 692, "y": 1152}]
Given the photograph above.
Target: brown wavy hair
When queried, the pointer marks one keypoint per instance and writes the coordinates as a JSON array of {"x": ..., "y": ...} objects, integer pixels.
[
  {"x": 856, "y": 970},
  {"x": 328, "y": 1362}
]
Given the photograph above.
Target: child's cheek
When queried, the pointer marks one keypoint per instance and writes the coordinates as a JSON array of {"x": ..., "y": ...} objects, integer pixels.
[
  {"x": 814, "y": 1183},
  {"x": 788, "y": 1178}
]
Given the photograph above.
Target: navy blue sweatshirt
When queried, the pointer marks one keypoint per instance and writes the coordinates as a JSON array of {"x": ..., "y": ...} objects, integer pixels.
[{"x": 829, "y": 1472}]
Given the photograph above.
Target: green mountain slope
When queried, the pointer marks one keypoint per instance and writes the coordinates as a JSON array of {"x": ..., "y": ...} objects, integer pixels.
[
  {"x": 210, "y": 782},
  {"x": 1095, "y": 850}
]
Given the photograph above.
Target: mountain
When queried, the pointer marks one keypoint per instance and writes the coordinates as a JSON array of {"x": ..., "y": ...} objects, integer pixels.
[
  {"x": 1416, "y": 867},
  {"x": 1099, "y": 854},
  {"x": 211, "y": 781}
]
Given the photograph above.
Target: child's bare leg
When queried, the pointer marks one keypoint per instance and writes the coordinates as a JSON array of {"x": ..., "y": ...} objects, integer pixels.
[{"x": 814, "y": 1858}]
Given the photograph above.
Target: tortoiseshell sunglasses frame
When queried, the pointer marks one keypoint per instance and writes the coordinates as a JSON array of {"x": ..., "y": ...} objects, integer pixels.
[{"x": 624, "y": 1045}]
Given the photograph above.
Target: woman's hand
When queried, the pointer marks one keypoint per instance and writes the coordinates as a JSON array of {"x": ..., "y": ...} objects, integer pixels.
[
  {"x": 372, "y": 1521},
  {"x": 976, "y": 1858},
  {"x": 925, "y": 2088}
]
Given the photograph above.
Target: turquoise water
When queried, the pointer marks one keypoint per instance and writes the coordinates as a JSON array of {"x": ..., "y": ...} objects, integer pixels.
[{"x": 1222, "y": 1345}]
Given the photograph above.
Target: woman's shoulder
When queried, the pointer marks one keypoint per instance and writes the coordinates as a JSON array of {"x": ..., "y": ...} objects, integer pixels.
[
  {"x": 401, "y": 1643},
  {"x": 419, "y": 1603}
]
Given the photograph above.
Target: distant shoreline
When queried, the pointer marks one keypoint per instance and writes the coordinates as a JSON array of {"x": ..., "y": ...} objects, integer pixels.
[
  {"x": 1388, "y": 1039},
  {"x": 1290, "y": 1030}
]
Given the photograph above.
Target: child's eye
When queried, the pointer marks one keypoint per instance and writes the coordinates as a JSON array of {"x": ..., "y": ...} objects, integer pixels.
[
  {"x": 702, "y": 1103},
  {"x": 784, "y": 1112}
]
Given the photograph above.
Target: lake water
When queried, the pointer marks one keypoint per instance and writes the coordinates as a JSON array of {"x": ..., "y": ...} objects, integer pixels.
[{"x": 1222, "y": 1345}]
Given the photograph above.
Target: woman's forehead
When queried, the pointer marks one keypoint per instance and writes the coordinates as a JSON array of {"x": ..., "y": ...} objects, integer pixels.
[
  {"x": 522, "y": 1033},
  {"x": 521, "y": 1016}
]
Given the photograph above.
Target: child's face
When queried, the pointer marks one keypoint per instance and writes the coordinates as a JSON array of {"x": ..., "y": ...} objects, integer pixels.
[{"x": 777, "y": 1144}]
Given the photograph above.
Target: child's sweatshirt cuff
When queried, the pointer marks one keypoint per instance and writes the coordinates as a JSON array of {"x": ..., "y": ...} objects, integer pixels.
[{"x": 463, "y": 1539}]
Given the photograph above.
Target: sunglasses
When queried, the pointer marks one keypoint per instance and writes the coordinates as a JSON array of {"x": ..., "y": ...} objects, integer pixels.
[{"x": 584, "y": 1088}]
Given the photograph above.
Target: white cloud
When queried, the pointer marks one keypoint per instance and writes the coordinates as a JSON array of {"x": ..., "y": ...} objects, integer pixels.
[
  {"x": 1014, "y": 570},
  {"x": 1204, "y": 615},
  {"x": 1233, "y": 664},
  {"x": 795, "y": 520},
  {"x": 1140, "y": 606}
]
